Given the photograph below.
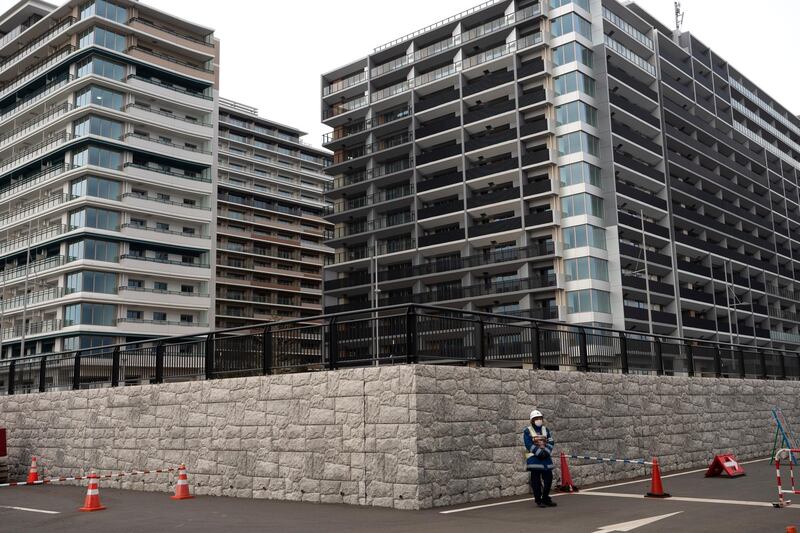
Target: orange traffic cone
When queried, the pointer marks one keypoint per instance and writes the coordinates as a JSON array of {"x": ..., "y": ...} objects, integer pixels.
[
  {"x": 92, "y": 501},
  {"x": 566, "y": 478},
  {"x": 656, "y": 488},
  {"x": 182, "y": 488},
  {"x": 33, "y": 473},
  {"x": 791, "y": 529}
]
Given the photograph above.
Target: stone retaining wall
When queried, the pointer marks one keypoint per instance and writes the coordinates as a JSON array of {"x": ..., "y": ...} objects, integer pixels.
[{"x": 406, "y": 437}]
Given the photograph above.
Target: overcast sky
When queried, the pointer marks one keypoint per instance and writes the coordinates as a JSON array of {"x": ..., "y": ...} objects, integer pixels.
[{"x": 273, "y": 52}]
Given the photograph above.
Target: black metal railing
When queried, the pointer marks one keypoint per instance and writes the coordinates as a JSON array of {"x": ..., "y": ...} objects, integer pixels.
[{"x": 392, "y": 335}]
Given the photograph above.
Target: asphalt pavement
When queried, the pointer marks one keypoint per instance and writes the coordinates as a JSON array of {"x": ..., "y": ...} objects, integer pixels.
[{"x": 698, "y": 504}]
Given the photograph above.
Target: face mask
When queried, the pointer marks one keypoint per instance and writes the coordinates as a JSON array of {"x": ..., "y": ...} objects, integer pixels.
[{"x": 537, "y": 423}]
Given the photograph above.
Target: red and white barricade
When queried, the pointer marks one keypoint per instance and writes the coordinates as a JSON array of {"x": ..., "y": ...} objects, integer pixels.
[{"x": 785, "y": 453}]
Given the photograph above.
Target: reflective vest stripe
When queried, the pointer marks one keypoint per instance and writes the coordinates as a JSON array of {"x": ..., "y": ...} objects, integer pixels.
[{"x": 532, "y": 433}]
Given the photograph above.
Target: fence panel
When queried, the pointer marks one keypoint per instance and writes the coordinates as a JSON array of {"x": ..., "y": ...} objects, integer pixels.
[
  {"x": 641, "y": 354},
  {"x": 444, "y": 338},
  {"x": 297, "y": 347},
  {"x": 184, "y": 360},
  {"x": 603, "y": 351}
]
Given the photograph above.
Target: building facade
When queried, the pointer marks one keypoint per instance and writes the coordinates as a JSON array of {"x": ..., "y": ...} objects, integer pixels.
[
  {"x": 570, "y": 160},
  {"x": 106, "y": 169},
  {"x": 270, "y": 229}
]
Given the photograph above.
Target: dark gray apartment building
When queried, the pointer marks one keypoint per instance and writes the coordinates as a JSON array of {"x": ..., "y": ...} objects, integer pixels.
[{"x": 568, "y": 160}]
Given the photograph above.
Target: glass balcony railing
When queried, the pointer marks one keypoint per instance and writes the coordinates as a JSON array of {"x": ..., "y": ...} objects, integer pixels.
[
  {"x": 631, "y": 56},
  {"x": 627, "y": 28},
  {"x": 36, "y": 70},
  {"x": 341, "y": 85}
]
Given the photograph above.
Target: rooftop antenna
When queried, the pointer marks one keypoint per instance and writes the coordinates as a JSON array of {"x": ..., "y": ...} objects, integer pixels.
[{"x": 678, "y": 16}]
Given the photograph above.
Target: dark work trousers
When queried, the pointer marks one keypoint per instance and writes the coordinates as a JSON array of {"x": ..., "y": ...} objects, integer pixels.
[{"x": 538, "y": 479}]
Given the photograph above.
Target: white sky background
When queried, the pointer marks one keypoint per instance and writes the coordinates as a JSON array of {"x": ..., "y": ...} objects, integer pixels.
[{"x": 273, "y": 52}]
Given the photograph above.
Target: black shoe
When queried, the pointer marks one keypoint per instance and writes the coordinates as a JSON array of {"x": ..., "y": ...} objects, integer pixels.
[
  {"x": 541, "y": 505},
  {"x": 549, "y": 503}
]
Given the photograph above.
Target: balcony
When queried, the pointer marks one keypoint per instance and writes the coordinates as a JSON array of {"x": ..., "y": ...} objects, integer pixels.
[
  {"x": 493, "y": 197},
  {"x": 532, "y": 96},
  {"x": 540, "y": 218},
  {"x": 386, "y": 195},
  {"x": 170, "y": 91},
  {"x": 34, "y": 298},
  {"x": 493, "y": 167},
  {"x": 621, "y": 158},
  {"x": 533, "y": 127},
  {"x": 490, "y": 138},
  {"x": 438, "y": 125},
  {"x": 168, "y": 148},
  {"x": 436, "y": 99},
  {"x": 633, "y": 109},
  {"x": 38, "y": 121},
  {"x": 203, "y": 44},
  {"x": 441, "y": 237},
  {"x": 487, "y": 82},
  {"x": 699, "y": 296},
  {"x": 34, "y": 71},
  {"x": 437, "y": 153},
  {"x": 340, "y": 85},
  {"x": 637, "y": 223},
  {"x": 440, "y": 180},
  {"x": 698, "y": 323},
  {"x": 498, "y": 226},
  {"x": 345, "y": 156},
  {"x": 442, "y": 208},
  {"x": 38, "y": 236},
  {"x": 643, "y": 196},
  {"x": 36, "y": 207},
  {"x": 457, "y": 292},
  {"x": 488, "y": 110},
  {"x": 635, "y": 137},
  {"x": 34, "y": 327},
  {"x": 632, "y": 82},
  {"x": 537, "y": 187},
  {"x": 341, "y": 108},
  {"x": 192, "y": 127},
  {"x": 172, "y": 63},
  {"x": 352, "y": 279},
  {"x": 529, "y": 68},
  {"x": 536, "y": 157}
]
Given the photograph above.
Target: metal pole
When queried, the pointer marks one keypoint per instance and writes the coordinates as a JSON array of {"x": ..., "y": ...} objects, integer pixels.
[
  {"x": 411, "y": 335},
  {"x": 375, "y": 295},
  {"x": 266, "y": 354},
  {"x": 623, "y": 352},
  {"x": 536, "y": 349},
  {"x": 583, "y": 363}
]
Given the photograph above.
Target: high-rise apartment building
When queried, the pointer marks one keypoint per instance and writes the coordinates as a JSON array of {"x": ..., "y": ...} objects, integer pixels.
[
  {"x": 106, "y": 112},
  {"x": 571, "y": 160},
  {"x": 270, "y": 229}
]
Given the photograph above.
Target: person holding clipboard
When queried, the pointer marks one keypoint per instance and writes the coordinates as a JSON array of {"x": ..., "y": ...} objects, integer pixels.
[{"x": 539, "y": 443}]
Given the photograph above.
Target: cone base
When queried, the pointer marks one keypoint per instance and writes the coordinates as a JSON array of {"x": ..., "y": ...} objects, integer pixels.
[
  {"x": 90, "y": 509},
  {"x": 181, "y": 497},
  {"x": 654, "y": 495},
  {"x": 567, "y": 488}
]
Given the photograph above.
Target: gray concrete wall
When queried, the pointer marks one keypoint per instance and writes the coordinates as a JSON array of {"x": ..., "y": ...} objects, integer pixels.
[{"x": 406, "y": 437}]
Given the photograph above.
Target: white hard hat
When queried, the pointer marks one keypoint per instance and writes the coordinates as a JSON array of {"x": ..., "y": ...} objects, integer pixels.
[{"x": 536, "y": 414}]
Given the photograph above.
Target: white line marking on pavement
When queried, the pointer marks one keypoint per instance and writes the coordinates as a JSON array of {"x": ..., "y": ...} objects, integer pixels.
[
  {"x": 474, "y": 507},
  {"x": 28, "y": 509},
  {"x": 634, "y": 524},
  {"x": 681, "y": 499}
]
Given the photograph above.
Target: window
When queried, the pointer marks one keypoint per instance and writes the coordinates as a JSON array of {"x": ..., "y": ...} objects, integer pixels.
[
  {"x": 94, "y": 186},
  {"x": 93, "y": 249},
  {"x": 92, "y": 281},
  {"x": 101, "y": 67},
  {"x": 100, "y": 157},
  {"x": 137, "y": 223},
  {"x": 162, "y": 256},
  {"x": 135, "y": 284},
  {"x": 98, "y": 126},
  {"x": 84, "y": 342},
  {"x": 572, "y": 51},
  {"x": 187, "y": 319},
  {"x": 558, "y": 3},
  {"x": 101, "y": 96},
  {"x": 187, "y": 289},
  {"x": 584, "y": 235},
  {"x": 104, "y": 9},
  {"x": 574, "y": 112},
  {"x": 162, "y": 226},
  {"x": 588, "y": 300},
  {"x": 92, "y": 217},
  {"x": 578, "y": 141},
  {"x": 574, "y": 81},
  {"x": 92, "y": 314},
  {"x": 102, "y": 37},
  {"x": 159, "y": 316},
  {"x": 134, "y": 314},
  {"x": 580, "y": 172},
  {"x": 586, "y": 268},
  {"x": 160, "y": 286},
  {"x": 162, "y": 197},
  {"x": 569, "y": 23},
  {"x": 582, "y": 204}
]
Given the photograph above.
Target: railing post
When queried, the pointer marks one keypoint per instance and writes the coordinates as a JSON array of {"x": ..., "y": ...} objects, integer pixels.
[
  {"x": 717, "y": 361},
  {"x": 659, "y": 357},
  {"x": 11, "y": 371},
  {"x": 115, "y": 367},
  {"x": 742, "y": 369},
  {"x": 43, "y": 374},
  {"x": 333, "y": 344},
  {"x": 159, "y": 362},
  {"x": 266, "y": 351},
  {"x": 689, "y": 359},
  {"x": 762, "y": 360},
  {"x": 583, "y": 362},
  {"x": 623, "y": 352},
  {"x": 411, "y": 335},
  {"x": 480, "y": 341},
  {"x": 209, "y": 360},
  {"x": 536, "y": 349},
  {"x": 76, "y": 372},
  {"x": 782, "y": 355}
]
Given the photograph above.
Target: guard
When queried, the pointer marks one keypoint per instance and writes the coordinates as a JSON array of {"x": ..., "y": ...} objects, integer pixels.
[{"x": 539, "y": 443}]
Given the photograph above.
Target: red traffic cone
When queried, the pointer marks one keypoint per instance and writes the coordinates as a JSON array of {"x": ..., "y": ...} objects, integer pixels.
[
  {"x": 33, "y": 473},
  {"x": 791, "y": 529},
  {"x": 92, "y": 501},
  {"x": 182, "y": 488},
  {"x": 656, "y": 488},
  {"x": 566, "y": 478}
]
